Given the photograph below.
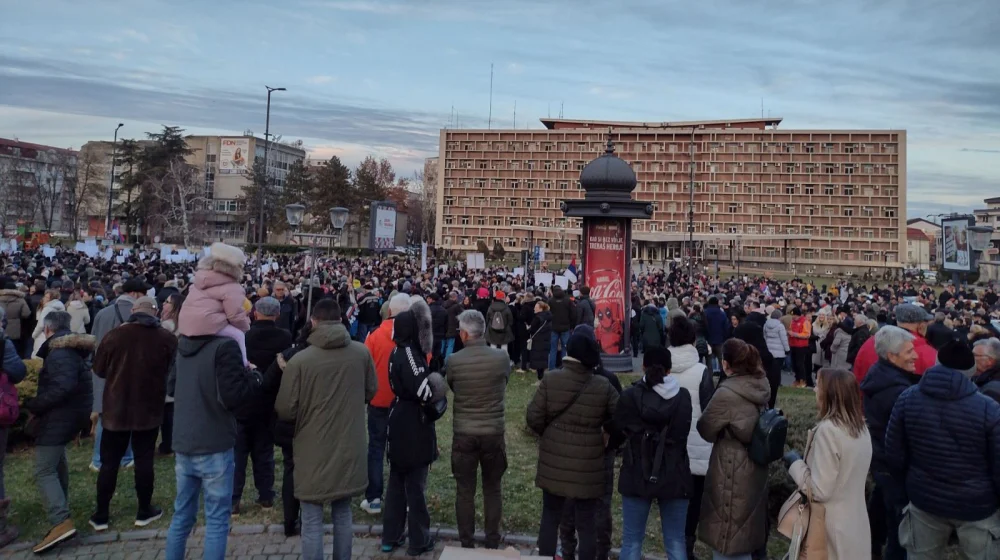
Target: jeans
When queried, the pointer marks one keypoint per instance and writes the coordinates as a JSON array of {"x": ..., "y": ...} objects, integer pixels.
[
  {"x": 552, "y": 513},
  {"x": 52, "y": 474},
  {"x": 113, "y": 446},
  {"x": 254, "y": 441},
  {"x": 364, "y": 330},
  {"x": 96, "y": 460},
  {"x": 555, "y": 339},
  {"x": 213, "y": 474},
  {"x": 673, "y": 517},
  {"x": 289, "y": 503},
  {"x": 167, "y": 429},
  {"x": 447, "y": 347},
  {"x": 406, "y": 490},
  {"x": 312, "y": 530},
  {"x": 468, "y": 454},
  {"x": 925, "y": 536},
  {"x": 378, "y": 434}
]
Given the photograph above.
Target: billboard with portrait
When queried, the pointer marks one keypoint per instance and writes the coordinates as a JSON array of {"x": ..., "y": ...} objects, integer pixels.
[
  {"x": 955, "y": 243},
  {"x": 383, "y": 226},
  {"x": 234, "y": 153}
]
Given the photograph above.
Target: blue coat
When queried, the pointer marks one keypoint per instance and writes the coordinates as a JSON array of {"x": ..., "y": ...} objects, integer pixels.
[
  {"x": 717, "y": 324},
  {"x": 943, "y": 439},
  {"x": 881, "y": 388}
]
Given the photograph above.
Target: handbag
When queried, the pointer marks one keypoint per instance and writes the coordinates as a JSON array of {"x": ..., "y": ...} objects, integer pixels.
[
  {"x": 803, "y": 521},
  {"x": 532, "y": 337}
]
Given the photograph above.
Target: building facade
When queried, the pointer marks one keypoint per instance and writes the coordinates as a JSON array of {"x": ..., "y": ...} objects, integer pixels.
[
  {"x": 933, "y": 233},
  {"x": 812, "y": 201},
  {"x": 37, "y": 183},
  {"x": 918, "y": 249},
  {"x": 990, "y": 216}
]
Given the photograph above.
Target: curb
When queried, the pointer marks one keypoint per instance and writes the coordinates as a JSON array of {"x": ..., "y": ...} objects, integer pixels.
[{"x": 437, "y": 532}]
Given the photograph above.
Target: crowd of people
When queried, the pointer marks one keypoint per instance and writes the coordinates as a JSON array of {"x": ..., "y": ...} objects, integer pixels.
[{"x": 217, "y": 362}]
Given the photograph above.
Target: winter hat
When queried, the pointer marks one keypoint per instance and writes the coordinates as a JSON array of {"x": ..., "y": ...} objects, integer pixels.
[
  {"x": 228, "y": 254},
  {"x": 146, "y": 305},
  {"x": 657, "y": 356},
  {"x": 483, "y": 293},
  {"x": 583, "y": 347},
  {"x": 956, "y": 355}
]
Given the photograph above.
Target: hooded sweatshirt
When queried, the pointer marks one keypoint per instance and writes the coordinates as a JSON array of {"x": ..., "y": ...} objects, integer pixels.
[
  {"x": 687, "y": 369},
  {"x": 79, "y": 316}
]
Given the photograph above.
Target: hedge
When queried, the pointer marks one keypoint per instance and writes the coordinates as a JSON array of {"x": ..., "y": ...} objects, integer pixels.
[{"x": 26, "y": 389}]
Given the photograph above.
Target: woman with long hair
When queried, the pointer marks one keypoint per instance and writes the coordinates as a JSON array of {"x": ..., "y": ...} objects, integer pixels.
[
  {"x": 734, "y": 506},
  {"x": 168, "y": 319},
  {"x": 834, "y": 471},
  {"x": 538, "y": 336}
]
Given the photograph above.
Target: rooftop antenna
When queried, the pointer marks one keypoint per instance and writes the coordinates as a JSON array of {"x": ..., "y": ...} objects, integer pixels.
[
  {"x": 489, "y": 122},
  {"x": 515, "y": 114},
  {"x": 762, "y": 107},
  {"x": 548, "y": 111},
  {"x": 451, "y": 119},
  {"x": 560, "y": 109}
]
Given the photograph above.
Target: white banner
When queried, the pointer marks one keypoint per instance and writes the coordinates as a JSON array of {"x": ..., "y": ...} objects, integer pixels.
[{"x": 234, "y": 153}]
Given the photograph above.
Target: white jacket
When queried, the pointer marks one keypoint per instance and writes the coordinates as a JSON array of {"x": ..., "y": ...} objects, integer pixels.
[
  {"x": 39, "y": 333},
  {"x": 688, "y": 371},
  {"x": 80, "y": 315}
]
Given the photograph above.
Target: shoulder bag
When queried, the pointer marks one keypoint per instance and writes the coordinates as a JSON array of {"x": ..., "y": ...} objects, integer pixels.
[
  {"x": 572, "y": 401},
  {"x": 532, "y": 337},
  {"x": 803, "y": 521}
]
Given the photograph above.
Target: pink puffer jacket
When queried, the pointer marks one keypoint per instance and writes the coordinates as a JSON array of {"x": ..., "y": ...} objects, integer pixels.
[{"x": 213, "y": 301}]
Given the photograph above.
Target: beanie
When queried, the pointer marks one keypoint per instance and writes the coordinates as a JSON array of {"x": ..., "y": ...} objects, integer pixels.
[
  {"x": 657, "y": 356},
  {"x": 956, "y": 355},
  {"x": 582, "y": 346}
]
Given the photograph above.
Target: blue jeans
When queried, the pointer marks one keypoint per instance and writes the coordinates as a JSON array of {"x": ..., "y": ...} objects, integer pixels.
[
  {"x": 447, "y": 347},
  {"x": 212, "y": 474},
  {"x": 312, "y": 530},
  {"x": 364, "y": 330},
  {"x": 555, "y": 339},
  {"x": 378, "y": 431},
  {"x": 96, "y": 459},
  {"x": 673, "y": 517}
]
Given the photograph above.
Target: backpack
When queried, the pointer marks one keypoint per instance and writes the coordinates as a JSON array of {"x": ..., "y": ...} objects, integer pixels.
[
  {"x": 652, "y": 446},
  {"x": 10, "y": 410},
  {"x": 767, "y": 443},
  {"x": 497, "y": 323}
]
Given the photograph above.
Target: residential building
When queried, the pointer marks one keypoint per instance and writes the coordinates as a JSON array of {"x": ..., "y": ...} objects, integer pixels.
[
  {"x": 810, "y": 201},
  {"x": 933, "y": 233},
  {"x": 36, "y": 185},
  {"x": 918, "y": 249},
  {"x": 990, "y": 216}
]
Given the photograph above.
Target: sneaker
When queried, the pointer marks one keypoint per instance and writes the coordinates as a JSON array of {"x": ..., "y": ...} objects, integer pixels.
[
  {"x": 144, "y": 518},
  {"x": 129, "y": 465},
  {"x": 373, "y": 507},
  {"x": 422, "y": 550},
  {"x": 98, "y": 524},
  {"x": 95, "y": 468},
  {"x": 61, "y": 532},
  {"x": 265, "y": 504}
]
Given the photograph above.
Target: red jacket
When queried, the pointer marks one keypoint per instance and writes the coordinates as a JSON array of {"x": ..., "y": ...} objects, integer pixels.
[
  {"x": 866, "y": 358},
  {"x": 380, "y": 344},
  {"x": 800, "y": 326}
]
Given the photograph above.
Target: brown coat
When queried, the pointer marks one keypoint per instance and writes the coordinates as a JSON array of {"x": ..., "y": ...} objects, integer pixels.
[
  {"x": 571, "y": 449},
  {"x": 734, "y": 506},
  {"x": 135, "y": 359},
  {"x": 17, "y": 310}
]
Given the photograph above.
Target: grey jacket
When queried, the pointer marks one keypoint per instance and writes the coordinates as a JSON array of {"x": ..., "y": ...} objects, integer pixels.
[
  {"x": 499, "y": 337},
  {"x": 478, "y": 376},
  {"x": 776, "y": 337},
  {"x": 105, "y": 320}
]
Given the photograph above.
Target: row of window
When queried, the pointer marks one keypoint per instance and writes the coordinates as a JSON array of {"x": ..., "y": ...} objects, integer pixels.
[
  {"x": 681, "y": 226},
  {"x": 598, "y": 144},
  {"x": 677, "y": 187},
  {"x": 685, "y": 167}
]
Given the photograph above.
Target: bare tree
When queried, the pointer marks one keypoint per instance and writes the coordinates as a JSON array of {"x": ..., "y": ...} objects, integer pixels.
[
  {"x": 185, "y": 207},
  {"x": 53, "y": 172},
  {"x": 83, "y": 189},
  {"x": 17, "y": 199}
]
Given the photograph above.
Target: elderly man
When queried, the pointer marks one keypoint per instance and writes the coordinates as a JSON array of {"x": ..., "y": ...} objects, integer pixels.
[
  {"x": 381, "y": 345},
  {"x": 289, "y": 308},
  {"x": 60, "y": 409},
  {"x": 324, "y": 390},
  {"x": 912, "y": 318},
  {"x": 254, "y": 439},
  {"x": 478, "y": 376},
  {"x": 987, "y": 353},
  {"x": 893, "y": 373},
  {"x": 943, "y": 440},
  {"x": 134, "y": 360}
]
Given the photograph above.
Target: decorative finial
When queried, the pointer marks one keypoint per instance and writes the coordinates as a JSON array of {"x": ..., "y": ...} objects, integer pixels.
[{"x": 610, "y": 149}]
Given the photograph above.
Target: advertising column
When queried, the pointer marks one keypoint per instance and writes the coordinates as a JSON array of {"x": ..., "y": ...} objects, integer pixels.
[{"x": 607, "y": 274}]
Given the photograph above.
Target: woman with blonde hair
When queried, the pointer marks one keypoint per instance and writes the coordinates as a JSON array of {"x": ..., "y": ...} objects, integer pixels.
[
  {"x": 50, "y": 302},
  {"x": 835, "y": 468}
]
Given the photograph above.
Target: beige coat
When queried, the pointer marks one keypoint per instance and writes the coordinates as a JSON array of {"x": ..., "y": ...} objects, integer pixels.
[{"x": 835, "y": 471}]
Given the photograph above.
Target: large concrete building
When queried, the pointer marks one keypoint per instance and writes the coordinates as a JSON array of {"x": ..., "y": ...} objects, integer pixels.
[
  {"x": 990, "y": 216},
  {"x": 36, "y": 187},
  {"x": 813, "y": 201}
]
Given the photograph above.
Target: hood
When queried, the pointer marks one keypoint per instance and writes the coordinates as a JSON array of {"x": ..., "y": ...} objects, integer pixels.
[
  {"x": 55, "y": 305},
  {"x": 205, "y": 279},
  {"x": 557, "y": 292},
  {"x": 772, "y": 326},
  {"x": 847, "y": 325},
  {"x": 144, "y": 320},
  {"x": 498, "y": 306},
  {"x": 672, "y": 303},
  {"x": 666, "y": 390},
  {"x": 754, "y": 389},
  {"x": 650, "y": 310},
  {"x": 83, "y": 344},
  {"x": 944, "y": 383},
  {"x": 883, "y": 375},
  {"x": 439, "y": 388},
  {"x": 224, "y": 259},
  {"x": 329, "y": 335},
  {"x": 77, "y": 304},
  {"x": 413, "y": 328},
  {"x": 188, "y": 346},
  {"x": 683, "y": 358},
  {"x": 11, "y": 294}
]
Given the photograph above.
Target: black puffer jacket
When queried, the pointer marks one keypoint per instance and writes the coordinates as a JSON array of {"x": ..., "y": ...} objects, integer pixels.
[
  {"x": 639, "y": 421},
  {"x": 65, "y": 390},
  {"x": 412, "y": 437},
  {"x": 881, "y": 388},
  {"x": 283, "y": 431},
  {"x": 563, "y": 315},
  {"x": 453, "y": 308}
]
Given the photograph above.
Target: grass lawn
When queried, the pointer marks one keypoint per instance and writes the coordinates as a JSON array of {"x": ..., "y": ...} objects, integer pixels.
[{"x": 522, "y": 500}]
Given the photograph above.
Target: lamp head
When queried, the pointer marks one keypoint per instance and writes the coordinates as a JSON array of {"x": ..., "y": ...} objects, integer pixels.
[
  {"x": 338, "y": 217},
  {"x": 294, "y": 214}
]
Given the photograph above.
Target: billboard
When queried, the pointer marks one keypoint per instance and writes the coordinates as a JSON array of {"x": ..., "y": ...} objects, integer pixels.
[
  {"x": 383, "y": 226},
  {"x": 955, "y": 241},
  {"x": 234, "y": 153},
  {"x": 607, "y": 274}
]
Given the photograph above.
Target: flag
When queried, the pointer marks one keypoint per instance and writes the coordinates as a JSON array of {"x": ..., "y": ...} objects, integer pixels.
[{"x": 572, "y": 266}]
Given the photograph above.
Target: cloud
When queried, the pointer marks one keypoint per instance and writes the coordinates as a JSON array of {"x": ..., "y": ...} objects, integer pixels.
[
  {"x": 980, "y": 151},
  {"x": 320, "y": 79},
  {"x": 609, "y": 92},
  {"x": 136, "y": 35},
  {"x": 514, "y": 68}
]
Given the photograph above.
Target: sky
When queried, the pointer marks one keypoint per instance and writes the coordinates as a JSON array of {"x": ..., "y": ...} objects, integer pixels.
[{"x": 383, "y": 77}]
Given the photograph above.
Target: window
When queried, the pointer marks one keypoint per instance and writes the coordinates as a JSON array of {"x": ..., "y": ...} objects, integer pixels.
[
  {"x": 547, "y": 165},
  {"x": 829, "y": 189},
  {"x": 563, "y": 185},
  {"x": 810, "y": 189},
  {"x": 751, "y": 229},
  {"x": 827, "y": 254},
  {"x": 713, "y": 187},
  {"x": 449, "y": 220},
  {"x": 789, "y": 210},
  {"x": 734, "y": 208},
  {"x": 868, "y": 233},
  {"x": 829, "y": 168},
  {"x": 848, "y": 148},
  {"x": 849, "y": 168},
  {"x": 465, "y": 220},
  {"x": 789, "y": 168},
  {"x": 847, "y": 232},
  {"x": 867, "y": 211},
  {"x": 449, "y": 201},
  {"x": 829, "y": 232},
  {"x": 513, "y": 203},
  {"x": 890, "y": 212},
  {"x": 810, "y": 148},
  {"x": 867, "y": 168},
  {"x": 527, "y": 203},
  {"x": 828, "y": 148},
  {"x": 848, "y": 190},
  {"x": 497, "y": 221},
  {"x": 828, "y": 210},
  {"x": 770, "y": 252},
  {"x": 770, "y": 188},
  {"x": 848, "y": 211},
  {"x": 869, "y": 256},
  {"x": 480, "y": 220}
]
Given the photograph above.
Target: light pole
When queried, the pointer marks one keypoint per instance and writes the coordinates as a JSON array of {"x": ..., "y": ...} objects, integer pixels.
[
  {"x": 263, "y": 185},
  {"x": 111, "y": 183},
  {"x": 338, "y": 219}
]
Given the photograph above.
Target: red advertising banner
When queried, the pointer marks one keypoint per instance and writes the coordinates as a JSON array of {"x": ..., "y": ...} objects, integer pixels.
[{"x": 606, "y": 243}]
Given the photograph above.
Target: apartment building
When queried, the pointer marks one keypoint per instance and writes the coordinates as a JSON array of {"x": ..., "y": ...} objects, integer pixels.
[
  {"x": 990, "y": 216},
  {"x": 813, "y": 201},
  {"x": 918, "y": 249},
  {"x": 933, "y": 233},
  {"x": 36, "y": 186}
]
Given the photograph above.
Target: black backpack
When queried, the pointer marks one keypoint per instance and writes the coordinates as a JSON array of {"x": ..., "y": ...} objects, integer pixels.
[
  {"x": 652, "y": 446},
  {"x": 767, "y": 443}
]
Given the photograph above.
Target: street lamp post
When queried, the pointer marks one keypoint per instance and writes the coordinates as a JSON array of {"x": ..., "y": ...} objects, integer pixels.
[
  {"x": 111, "y": 183},
  {"x": 338, "y": 219},
  {"x": 263, "y": 185}
]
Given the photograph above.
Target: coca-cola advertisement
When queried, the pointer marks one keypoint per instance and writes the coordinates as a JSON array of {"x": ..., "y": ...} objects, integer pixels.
[{"x": 606, "y": 273}]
